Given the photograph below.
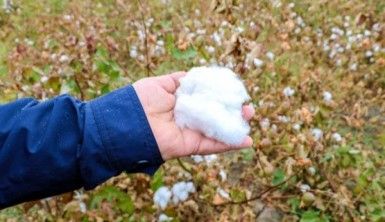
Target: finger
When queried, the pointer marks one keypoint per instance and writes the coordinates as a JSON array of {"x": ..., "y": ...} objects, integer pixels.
[
  {"x": 211, "y": 146},
  {"x": 248, "y": 111},
  {"x": 170, "y": 82},
  {"x": 176, "y": 77}
]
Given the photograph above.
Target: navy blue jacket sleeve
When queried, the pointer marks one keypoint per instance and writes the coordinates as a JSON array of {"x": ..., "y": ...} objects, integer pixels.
[{"x": 51, "y": 147}]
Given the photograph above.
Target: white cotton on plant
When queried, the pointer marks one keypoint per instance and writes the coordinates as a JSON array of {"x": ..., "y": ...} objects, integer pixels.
[
  {"x": 304, "y": 188},
  {"x": 327, "y": 96},
  {"x": 162, "y": 197},
  {"x": 210, "y": 99},
  {"x": 288, "y": 91},
  {"x": 133, "y": 52},
  {"x": 64, "y": 59},
  {"x": 207, "y": 158},
  {"x": 210, "y": 158},
  {"x": 270, "y": 55},
  {"x": 79, "y": 196},
  {"x": 258, "y": 63},
  {"x": 223, "y": 175},
  {"x": 197, "y": 158},
  {"x": 337, "y": 137},
  {"x": 164, "y": 218},
  {"x": 264, "y": 123},
  {"x": 283, "y": 119},
  {"x": 317, "y": 133},
  {"x": 368, "y": 54},
  {"x": 223, "y": 193},
  {"x": 181, "y": 190},
  {"x": 297, "y": 126}
]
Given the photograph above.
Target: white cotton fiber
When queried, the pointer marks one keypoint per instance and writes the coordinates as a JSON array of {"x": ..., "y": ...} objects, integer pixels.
[
  {"x": 162, "y": 196},
  {"x": 209, "y": 99}
]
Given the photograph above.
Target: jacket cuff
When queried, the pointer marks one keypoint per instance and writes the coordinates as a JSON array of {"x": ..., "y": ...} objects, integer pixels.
[{"x": 126, "y": 135}]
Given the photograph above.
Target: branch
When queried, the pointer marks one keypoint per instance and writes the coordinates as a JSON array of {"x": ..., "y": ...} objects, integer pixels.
[
  {"x": 148, "y": 68},
  {"x": 82, "y": 95},
  {"x": 184, "y": 166},
  {"x": 258, "y": 196}
]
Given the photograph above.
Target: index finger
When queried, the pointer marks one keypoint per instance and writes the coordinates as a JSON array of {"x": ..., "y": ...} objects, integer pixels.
[{"x": 176, "y": 76}]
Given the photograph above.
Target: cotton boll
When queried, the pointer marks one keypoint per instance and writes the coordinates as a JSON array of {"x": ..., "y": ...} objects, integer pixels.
[
  {"x": 258, "y": 63},
  {"x": 297, "y": 126},
  {"x": 197, "y": 158},
  {"x": 288, "y": 91},
  {"x": 162, "y": 197},
  {"x": 265, "y": 123},
  {"x": 223, "y": 175},
  {"x": 164, "y": 218},
  {"x": 223, "y": 193},
  {"x": 270, "y": 55},
  {"x": 210, "y": 100},
  {"x": 327, "y": 96},
  {"x": 317, "y": 133},
  {"x": 210, "y": 158},
  {"x": 337, "y": 137},
  {"x": 181, "y": 190},
  {"x": 304, "y": 188}
]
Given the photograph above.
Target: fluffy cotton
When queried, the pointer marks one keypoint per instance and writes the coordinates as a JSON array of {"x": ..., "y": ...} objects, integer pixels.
[
  {"x": 209, "y": 99},
  {"x": 223, "y": 193},
  {"x": 181, "y": 191},
  {"x": 162, "y": 196},
  {"x": 223, "y": 175},
  {"x": 304, "y": 188},
  {"x": 164, "y": 218},
  {"x": 317, "y": 133},
  {"x": 337, "y": 137},
  {"x": 288, "y": 91},
  {"x": 208, "y": 158},
  {"x": 327, "y": 96}
]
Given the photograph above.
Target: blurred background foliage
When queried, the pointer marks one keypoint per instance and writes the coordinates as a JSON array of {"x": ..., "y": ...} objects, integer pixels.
[{"x": 319, "y": 156}]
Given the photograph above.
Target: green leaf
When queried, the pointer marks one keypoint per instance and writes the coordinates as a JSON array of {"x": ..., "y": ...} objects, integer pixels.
[
  {"x": 278, "y": 177},
  {"x": 248, "y": 154},
  {"x": 176, "y": 53},
  {"x": 105, "y": 89},
  {"x": 112, "y": 194},
  {"x": 295, "y": 204},
  {"x": 102, "y": 66},
  {"x": 310, "y": 216},
  {"x": 102, "y": 53},
  {"x": 237, "y": 195},
  {"x": 378, "y": 215},
  {"x": 381, "y": 139},
  {"x": 184, "y": 55},
  {"x": 313, "y": 216},
  {"x": 157, "y": 180},
  {"x": 3, "y": 70}
]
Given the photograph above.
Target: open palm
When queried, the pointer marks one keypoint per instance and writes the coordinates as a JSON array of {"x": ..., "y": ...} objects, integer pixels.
[{"x": 157, "y": 95}]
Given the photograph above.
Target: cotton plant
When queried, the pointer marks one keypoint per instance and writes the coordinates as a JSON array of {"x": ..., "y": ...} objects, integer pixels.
[
  {"x": 7, "y": 5},
  {"x": 288, "y": 91},
  {"x": 181, "y": 191},
  {"x": 258, "y": 62},
  {"x": 317, "y": 134},
  {"x": 337, "y": 137},
  {"x": 208, "y": 159},
  {"x": 223, "y": 175},
  {"x": 178, "y": 193},
  {"x": 164, "y": 218},
  {"x": 327, "y": 96},
  {"x": 162, "y": 197}
]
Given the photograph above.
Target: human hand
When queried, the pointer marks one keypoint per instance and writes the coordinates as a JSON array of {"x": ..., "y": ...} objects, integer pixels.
[{"x": 157, "y": 96}]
